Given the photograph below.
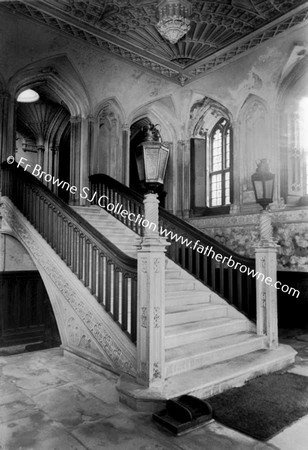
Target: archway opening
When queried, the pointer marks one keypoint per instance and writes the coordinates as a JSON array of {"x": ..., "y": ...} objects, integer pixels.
[
  {"x": 293, "y": 110},
  {"x": 43, "y": 136}
]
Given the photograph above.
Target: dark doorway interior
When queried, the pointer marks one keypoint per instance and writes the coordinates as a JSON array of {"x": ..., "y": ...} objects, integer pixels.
[{"x": 26, "y": 315}]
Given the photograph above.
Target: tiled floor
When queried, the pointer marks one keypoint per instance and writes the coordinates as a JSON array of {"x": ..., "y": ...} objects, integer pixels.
[{"x": 49, "y": 402}]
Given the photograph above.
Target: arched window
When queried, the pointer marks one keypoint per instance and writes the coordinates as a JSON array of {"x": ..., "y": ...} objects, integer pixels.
[{"x": 220, "y": 164}]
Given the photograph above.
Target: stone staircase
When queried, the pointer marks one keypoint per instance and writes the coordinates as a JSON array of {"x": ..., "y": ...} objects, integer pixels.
[{"x": 209, "y": 345}]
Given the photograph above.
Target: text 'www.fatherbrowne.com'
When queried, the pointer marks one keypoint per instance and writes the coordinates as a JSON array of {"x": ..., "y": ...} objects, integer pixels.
[{"x": 118, "y": 209}]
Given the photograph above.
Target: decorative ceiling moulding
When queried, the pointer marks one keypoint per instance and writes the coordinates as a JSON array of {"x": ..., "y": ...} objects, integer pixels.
[
  {"x": 231, "y": 53},
  {"x": 220, "y": 30},
  {"x": 93, "y": 37}
]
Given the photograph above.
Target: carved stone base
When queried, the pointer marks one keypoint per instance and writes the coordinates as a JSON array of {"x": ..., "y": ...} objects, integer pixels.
[
  {"x": 151, "y": 311},
  {"x": 267, "y": 314}
]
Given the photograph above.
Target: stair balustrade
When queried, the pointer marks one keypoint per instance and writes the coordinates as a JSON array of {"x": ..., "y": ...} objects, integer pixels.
[
  {"x": 108, "y": 273},
  {"x": 238, "y": 288}
]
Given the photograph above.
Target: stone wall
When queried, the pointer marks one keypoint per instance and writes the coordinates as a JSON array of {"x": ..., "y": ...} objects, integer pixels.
[
  {"x": 13, "y": 256},
  {"x": 241, "y": 232}
]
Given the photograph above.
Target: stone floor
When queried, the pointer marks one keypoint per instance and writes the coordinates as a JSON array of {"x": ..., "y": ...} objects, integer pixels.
[{"x": 49, "y": 402}]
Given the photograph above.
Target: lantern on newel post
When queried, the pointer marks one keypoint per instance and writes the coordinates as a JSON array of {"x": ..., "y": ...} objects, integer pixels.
[
  {"x": 152, "y": 158},
  {"x": 266, "y": 256},
  {"x": 263, "y": 183}
]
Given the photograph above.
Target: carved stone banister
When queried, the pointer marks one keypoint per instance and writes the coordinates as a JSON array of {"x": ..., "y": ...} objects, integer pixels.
[
  {"x": 78, "y": 245},
  {"x": 236, "y": 287},
  {"x": 86, "y": 330}
]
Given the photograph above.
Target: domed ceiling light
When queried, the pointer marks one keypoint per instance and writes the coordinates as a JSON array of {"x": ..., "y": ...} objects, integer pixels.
[
  {"x": 173, "y": 19},
  {"x": 28, "y": 96}
]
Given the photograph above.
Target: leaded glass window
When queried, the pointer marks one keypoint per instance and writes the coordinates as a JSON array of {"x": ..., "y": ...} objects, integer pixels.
[{"x": 220, "y": 164}]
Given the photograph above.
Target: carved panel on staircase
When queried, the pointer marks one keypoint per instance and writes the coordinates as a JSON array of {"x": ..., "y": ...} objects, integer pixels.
[{"x": 73, "y": 292}]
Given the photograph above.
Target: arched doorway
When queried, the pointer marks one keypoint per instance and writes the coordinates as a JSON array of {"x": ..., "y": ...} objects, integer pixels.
[{"x": 43, "y": 136}]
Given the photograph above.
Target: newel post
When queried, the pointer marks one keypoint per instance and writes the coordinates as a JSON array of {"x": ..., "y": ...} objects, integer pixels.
[
  {"x": 151, "y": 299},
  {"x": 266, "y": 264}
]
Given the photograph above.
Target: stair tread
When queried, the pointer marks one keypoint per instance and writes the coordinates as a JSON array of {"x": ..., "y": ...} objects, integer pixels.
[
  {"x": 183, "y": 294},
  {"x": 205, "y": 324},
  {"x": 177, "y": 309},
  {"x": 179, "y": 280},
  {"x": 211, "y": 345},
  {"x": 241, "y": 367}
]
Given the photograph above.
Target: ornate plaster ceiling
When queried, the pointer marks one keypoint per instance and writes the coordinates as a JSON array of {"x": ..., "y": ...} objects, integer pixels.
[{"x": 220, "y": 29}]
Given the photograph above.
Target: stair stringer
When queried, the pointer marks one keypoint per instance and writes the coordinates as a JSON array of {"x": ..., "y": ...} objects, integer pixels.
[{"x": 86, "y": 329}]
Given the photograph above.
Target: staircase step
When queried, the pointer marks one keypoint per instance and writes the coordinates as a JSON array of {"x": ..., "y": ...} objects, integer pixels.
[
  {"x": 205, "y": 382},
  {"x": 188, "y": 333},
  {"x": 187, "y": 294},
  {"x": 187, "y": 303},
  {"x": 203, "y": 353},
  {"x": 175, "y": 274},
  {"x": 175, "y": 285},
  {"x": 176, "y": 315},
  {"x": 192, "y": 302}
]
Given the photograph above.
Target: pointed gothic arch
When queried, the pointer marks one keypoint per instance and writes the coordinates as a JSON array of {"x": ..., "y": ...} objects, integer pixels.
[
  {"x": 107, "y": 150},
  {"x": 292, "y": 117},
  {"x": 254, "y": 143},
  {"x": 207, "y": 115}
]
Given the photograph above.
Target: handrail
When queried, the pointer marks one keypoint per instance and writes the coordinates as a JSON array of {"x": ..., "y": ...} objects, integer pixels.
[
  {"x": 236, "y": 287},
  {"x": 109, "y": 274}
]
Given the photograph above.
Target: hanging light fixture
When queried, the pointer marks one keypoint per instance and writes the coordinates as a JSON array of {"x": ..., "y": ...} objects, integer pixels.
[
  {"x": 28, "y": 96},
  {"x": 174, "y": 20}
]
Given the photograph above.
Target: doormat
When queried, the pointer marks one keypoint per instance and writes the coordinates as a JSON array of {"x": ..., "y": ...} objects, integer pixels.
[{"x": 264, "y": 406}]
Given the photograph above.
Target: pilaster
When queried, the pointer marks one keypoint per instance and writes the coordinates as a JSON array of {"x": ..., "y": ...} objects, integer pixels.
[
  {"x": 235, "y": 169},
  {"x": 183, "y": 168},
  {"x": 126, "y": 152},
  {"x": 75, "y": 155}
]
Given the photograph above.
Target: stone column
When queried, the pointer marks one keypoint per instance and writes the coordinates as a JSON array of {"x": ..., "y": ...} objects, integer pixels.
[
  {"x": 91, "y": 141},
  {"x": 183, "y": 170},
  {"x": 186, "y": 182},
  {"x": 75, "y": 156},
  {"x": 236, "y": 165},
  {"x": 55, "y": 166},
  {"x": 126, "y": 153},
  {"x": 151, "y": 300},
  {"x": 266, "y": 263},
  {"x": 40, "y": 155}
]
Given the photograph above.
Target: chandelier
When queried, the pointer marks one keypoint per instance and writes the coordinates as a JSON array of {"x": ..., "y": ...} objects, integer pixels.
[{"x": 173, "y": 19}]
